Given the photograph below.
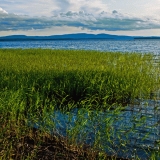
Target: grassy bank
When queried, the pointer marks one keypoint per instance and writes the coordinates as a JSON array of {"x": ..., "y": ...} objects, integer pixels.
[{"x": 34, "y": 82}]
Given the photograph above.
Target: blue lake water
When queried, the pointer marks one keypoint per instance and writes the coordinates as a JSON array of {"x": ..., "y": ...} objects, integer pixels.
[
  {"x": 132, "y": 133},
  {"x": 144, "y": 46}
]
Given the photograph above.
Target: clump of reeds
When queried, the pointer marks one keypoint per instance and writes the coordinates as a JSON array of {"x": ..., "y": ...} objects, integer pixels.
[
  {"x": 104, "y": 77},
  {"x": 34, "y": 82}
]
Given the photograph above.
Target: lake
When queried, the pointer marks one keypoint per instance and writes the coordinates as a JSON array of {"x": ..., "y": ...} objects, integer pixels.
[{"x": 143, "y": 46}]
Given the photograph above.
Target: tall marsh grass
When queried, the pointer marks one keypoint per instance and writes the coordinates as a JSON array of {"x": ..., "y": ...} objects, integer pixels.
[
  {"x": 104, "y": 78},
  {"x": 35, "y": 82}
]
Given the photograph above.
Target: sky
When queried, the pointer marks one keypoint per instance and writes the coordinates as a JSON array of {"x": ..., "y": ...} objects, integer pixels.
[{"x": 57, "y": 17}]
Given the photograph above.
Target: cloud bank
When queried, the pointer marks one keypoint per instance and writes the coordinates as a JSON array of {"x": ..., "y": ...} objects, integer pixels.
[
  {"x": 50, "y": 7},
  {"x": 109, "y": 21}
]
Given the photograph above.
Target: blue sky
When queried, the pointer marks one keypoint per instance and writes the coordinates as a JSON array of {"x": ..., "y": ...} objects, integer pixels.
[{"x": 52, "y": 17}]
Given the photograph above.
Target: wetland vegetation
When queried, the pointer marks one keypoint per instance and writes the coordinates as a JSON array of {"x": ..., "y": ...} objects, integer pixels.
[{"x": 36, "y": 82}]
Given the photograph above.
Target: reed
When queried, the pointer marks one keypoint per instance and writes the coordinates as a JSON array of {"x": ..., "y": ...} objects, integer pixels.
[
  {"x": 78, "y": 75},
  {"x": 36, "y": 82}
]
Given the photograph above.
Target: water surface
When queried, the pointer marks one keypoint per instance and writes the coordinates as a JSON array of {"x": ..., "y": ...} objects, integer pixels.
[{"x": 143, "y": 46}]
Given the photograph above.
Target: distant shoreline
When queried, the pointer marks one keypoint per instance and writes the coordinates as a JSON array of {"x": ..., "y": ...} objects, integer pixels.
[
  {"x": 30, "y": 39},
  {"x": 75, "y": 37}
]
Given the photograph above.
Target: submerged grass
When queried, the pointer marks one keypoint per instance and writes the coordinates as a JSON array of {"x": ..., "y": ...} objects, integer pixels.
[{"x": 34, "y": 82}]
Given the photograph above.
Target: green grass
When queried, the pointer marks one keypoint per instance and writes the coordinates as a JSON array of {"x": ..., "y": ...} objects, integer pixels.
[
  {"x": 35, "y": 82},
  {"x": 105, "y": 78}
]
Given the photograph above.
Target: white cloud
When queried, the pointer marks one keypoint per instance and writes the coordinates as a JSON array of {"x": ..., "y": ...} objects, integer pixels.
[
  {"x": 109, "y": 21},
  {"x": 30, "y": 7},
  {"x": 50, "y": 7},
  {"x": 2, "y": 11},
  {"x": 89, "y": 6},
  {"x": 152, "y": 10}
]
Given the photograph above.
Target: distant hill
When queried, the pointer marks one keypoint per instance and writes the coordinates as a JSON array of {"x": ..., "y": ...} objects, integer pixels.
[
  {"x": 152, "y": 37},
  {"x": 65, "y": 37},
  {"x": 72, "y": 37}
]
